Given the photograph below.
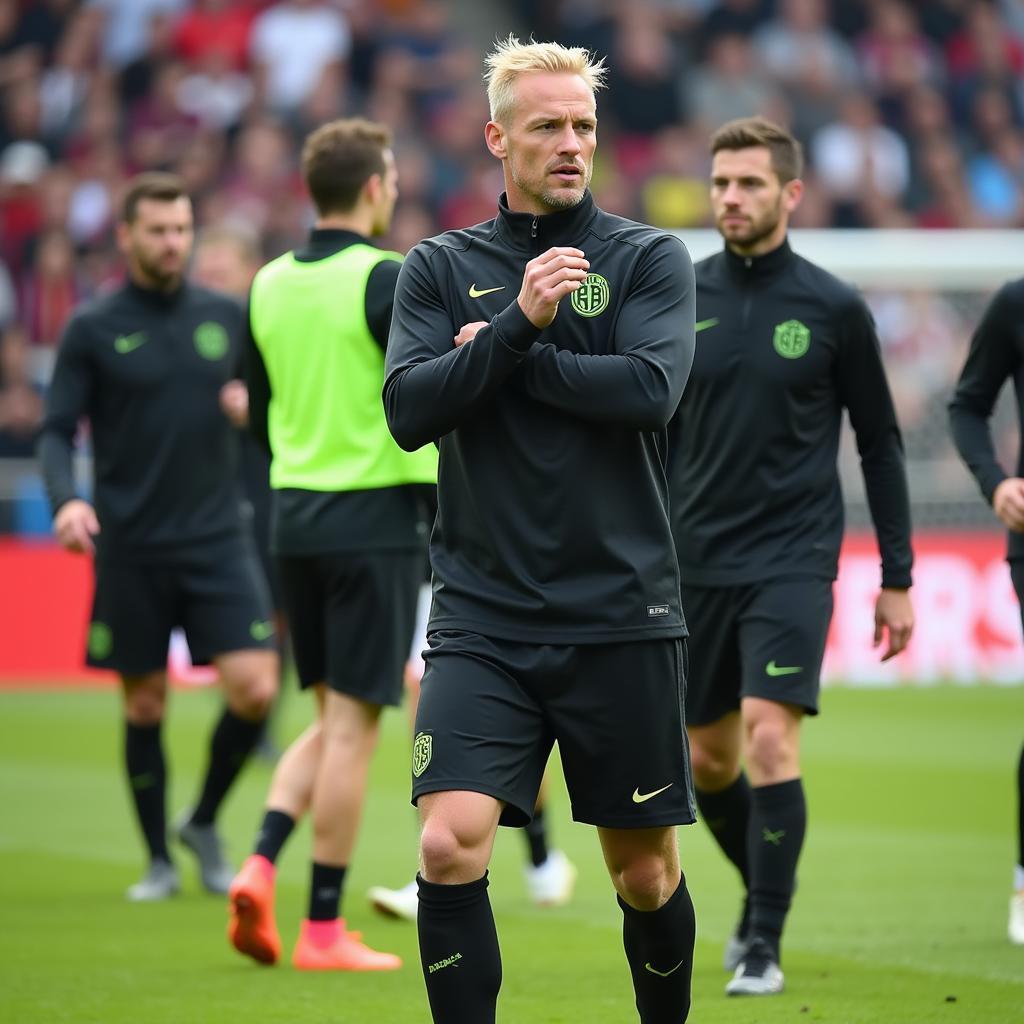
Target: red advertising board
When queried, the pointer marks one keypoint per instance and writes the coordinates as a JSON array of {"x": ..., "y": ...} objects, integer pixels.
[{"x": 968, "y": 622}]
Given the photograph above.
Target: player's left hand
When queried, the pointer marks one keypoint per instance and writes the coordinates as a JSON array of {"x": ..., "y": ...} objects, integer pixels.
[
  {"x": 895, "y": 613},
  {"x": 468, "y": 332},
  {"x": 234, "y": 403}
]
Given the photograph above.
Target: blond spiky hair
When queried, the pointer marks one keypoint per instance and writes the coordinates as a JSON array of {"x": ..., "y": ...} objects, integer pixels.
[{"x": 511, "y": 58}]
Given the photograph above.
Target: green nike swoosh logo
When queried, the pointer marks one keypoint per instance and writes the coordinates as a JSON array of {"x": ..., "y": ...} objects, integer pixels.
[
  {"x": 125, "y": 343},
  {"x": 782, "y": 670},
  {"x": 261, "y": 630},
  {"x": 639, "y": 798},
  {"x": 663, "y": 974},
  {"x": 775, "y": 838},
  {"x": 703, "y": 325},
  {"x": 475, "y": 293}
]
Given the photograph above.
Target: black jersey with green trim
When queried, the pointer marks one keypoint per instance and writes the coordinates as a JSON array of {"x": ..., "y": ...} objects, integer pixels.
[
  {"x": 146, "y": 369},
  {"x": 552, "y": 520},
  {"x": 996, "y": 355},
  {"x": 783, "y": 347}
]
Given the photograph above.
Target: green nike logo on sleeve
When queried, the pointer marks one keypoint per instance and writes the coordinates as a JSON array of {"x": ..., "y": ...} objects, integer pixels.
[
  {"x": 663, "y": 974},
  {"x": 703, "y": 325},
  {"x": 782, "y": 670},
  {"x": 125, "y": 343}
]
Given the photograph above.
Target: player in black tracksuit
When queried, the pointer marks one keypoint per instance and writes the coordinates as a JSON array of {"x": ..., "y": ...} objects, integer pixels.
[
  {"x": 556, "y": 609},
  {"x": 145, "y": 365},
  {"x": 997, "y": 355},
  {"x": 783, "y": 348}
]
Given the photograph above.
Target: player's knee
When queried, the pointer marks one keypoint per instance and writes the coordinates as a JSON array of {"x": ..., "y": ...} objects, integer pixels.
[
  {"x": 647, "y": 881},
  {"x": 252, "y": 695},
  {"x": 145, "y": 708},
  {"x": 769, "y": 748},
  {"x": 447, "y": 856},
  {"x": 712, "y": 769},
  {"x": 144, "y": 701}
]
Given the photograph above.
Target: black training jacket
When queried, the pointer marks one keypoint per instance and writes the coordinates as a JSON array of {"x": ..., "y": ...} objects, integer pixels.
[
  {"x": 552, "y": 521},
  {"x": 996, "y": 355},
  {"x": 783, "y": 347},
  {"x": 146, "y": 368}
]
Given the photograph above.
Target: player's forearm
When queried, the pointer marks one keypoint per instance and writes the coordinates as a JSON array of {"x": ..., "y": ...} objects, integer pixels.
[
  {"x": 633, "y": 390},
  {"x": 885, "y": 484},
  {"x": 55, "y": 459},
  {"x": 972, "y": 436},
  {"x": 427, "y": 395}
]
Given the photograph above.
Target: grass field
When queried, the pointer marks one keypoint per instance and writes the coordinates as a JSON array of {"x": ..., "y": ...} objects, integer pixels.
[{"x": 900, "y": 916}]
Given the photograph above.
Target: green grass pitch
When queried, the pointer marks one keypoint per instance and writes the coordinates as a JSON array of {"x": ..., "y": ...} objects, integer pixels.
[{"x": 900, "y": 917}]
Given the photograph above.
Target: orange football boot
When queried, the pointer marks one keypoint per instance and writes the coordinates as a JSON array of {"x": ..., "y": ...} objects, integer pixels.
[
  {"x": 327, "y": 946},
  {"x": 252, "y": 928}
]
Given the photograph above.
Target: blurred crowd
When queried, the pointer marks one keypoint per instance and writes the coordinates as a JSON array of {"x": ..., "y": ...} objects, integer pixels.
[{"x": 912, "y": 114}]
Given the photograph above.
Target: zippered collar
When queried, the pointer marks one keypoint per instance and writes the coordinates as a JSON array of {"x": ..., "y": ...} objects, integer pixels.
[
  {"x": 535, "y": 233},
  {"x": 153, "y": 297},
  {"x": 758, "y": 268}
]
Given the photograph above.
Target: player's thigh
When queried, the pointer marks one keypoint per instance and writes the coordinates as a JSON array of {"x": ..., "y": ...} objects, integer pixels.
[
  {"x": 133, "y": 612},
  {"x": 714, "y": 673},
  {"x": 478, "y": 728},
  {"x": 225, "y": 605},
  {"x": 368, "y": 617},
  {"x": 621, "y": 730},
  {"x": 783, "y": 629}
]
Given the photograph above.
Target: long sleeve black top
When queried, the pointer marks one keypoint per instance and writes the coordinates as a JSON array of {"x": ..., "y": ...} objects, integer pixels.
[
  {"x": 552, "y": 520},
  {"x": 783, "y": 348}
]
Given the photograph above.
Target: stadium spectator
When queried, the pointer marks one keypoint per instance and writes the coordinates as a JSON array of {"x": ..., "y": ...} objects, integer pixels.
[
  {"x": 860, "y": 162},
  {"x": 215, "y": 33},
  {"x": 758, "y": 520},
  {"x": 346, "y": 537},
  {"x": 814, "y": 64},
  {"x": 520, "y": 625},
  {"x": 730, "y": 84},
  {"x": 21, "y": 407},
  {"x": 145, "y": 365},
  {"x": 993, "y": 359},
  {"x": 295, "y": 44}
]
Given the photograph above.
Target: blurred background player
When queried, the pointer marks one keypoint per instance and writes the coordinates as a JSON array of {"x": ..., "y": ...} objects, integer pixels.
[
  {"x": 226, "y": 259},
  {"x": 346, "y": 528},
  {"x": 783, "y": 348},
  {"x": 994, "y": 358},
  {"x": 146, "y": 366}
]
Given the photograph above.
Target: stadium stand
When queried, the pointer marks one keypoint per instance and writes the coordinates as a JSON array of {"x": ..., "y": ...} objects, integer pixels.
[{"x": 912, "y": 115}]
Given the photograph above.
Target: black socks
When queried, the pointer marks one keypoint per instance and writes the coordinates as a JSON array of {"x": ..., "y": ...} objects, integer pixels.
[
  {"x": 325, "y": 892},
  {"x": 232, "y": 741},
  {"x": 537, "y": 838},
  {"x": 459, "y": 951},
  {"x": 777, "y": 825},
  {"x": 274, "y": 832},
  {"x": 147, "y": 780},
  {"x": 659, "y": 949}
]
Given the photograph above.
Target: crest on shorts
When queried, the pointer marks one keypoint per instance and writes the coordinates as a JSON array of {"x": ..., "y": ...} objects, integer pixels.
[
  {"x": 211, "y": 340},
  {"x": 591, "y": 298},
  {"x": 101, "y": 640},
  {"x": 791, "y": 339},
  {"x": 422, "y": 748}
]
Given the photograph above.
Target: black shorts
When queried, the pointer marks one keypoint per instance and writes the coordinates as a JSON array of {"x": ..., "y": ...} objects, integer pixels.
[
  {"x": 763, "y": 639},
  {"x": 215, "y": 592},
  {"x": 351, "y": 618},
  {"x": 490, "y": 711}
]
